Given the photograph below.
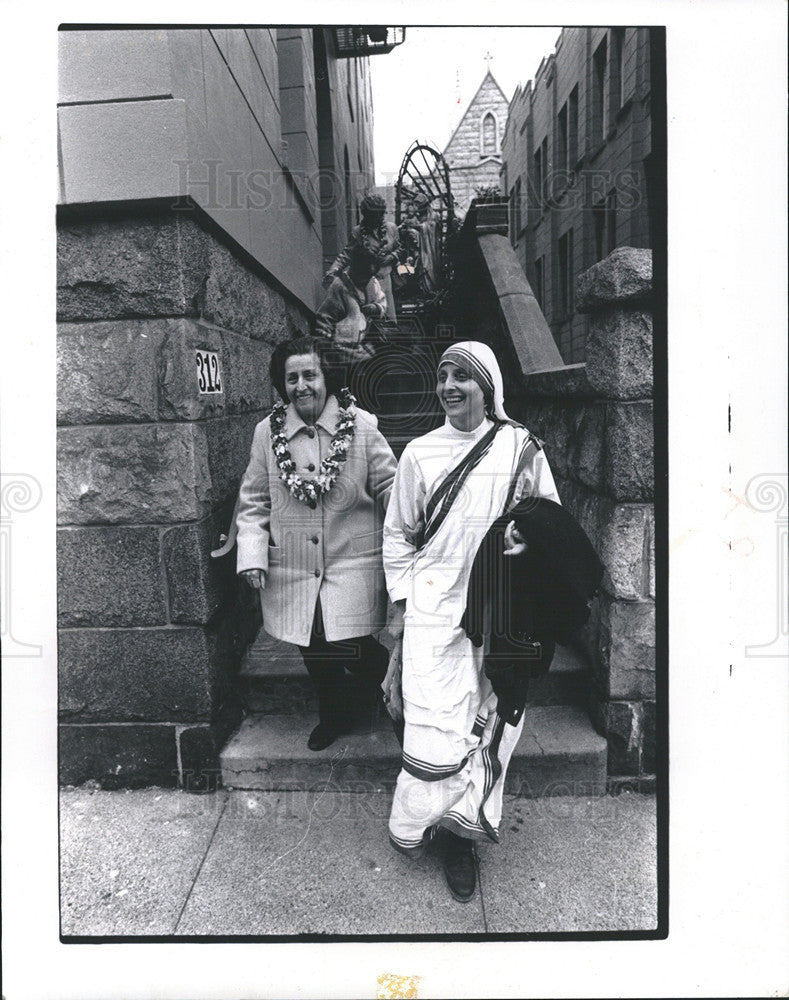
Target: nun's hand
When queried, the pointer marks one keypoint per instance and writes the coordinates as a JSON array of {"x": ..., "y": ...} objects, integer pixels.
[
  {"x": 392, "y": 685},
  {"x": 396, "y": 623},
  {"x": 514, "y": 542},
  {"x": 255, "y": 578}
]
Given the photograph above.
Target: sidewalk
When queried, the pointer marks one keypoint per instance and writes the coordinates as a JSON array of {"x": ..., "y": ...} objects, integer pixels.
[{"x": 161, "y": 862}]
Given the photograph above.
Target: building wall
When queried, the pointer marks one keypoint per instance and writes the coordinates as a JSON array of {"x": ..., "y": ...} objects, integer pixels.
[
  {"x": 575, "y": 158},
  {"x": 229, "y": 118},
  {"x": 472, "y": 163},
  {"x": 349, "y": 123},
  {"x": 191, "y": 234}
]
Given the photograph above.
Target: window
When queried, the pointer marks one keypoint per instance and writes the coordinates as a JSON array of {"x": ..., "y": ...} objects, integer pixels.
[
  {"x": 598, "y": 218},
  {"x": 572, "y": 127},
  {"x": 610, "y": 224},
  {"x": 599, "y": 116},
  {"x": 540, "y": 173},
  {"x": 617, "y": 66},
  {"x": 516, "y": 220},
  {"x": 489, "y": 144},
  {"x": 562, "y": 147},
  {"x": 515, "y": 211},
  {"x": 539, "y": 286},
  {"x": 565, "y": 299},
  {"x": 567, "y": 133},
  {"x": 604, "y": 214}
]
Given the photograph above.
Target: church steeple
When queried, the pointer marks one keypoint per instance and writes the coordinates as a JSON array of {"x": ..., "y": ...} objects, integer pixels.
[{"x": 474, "y": 149}]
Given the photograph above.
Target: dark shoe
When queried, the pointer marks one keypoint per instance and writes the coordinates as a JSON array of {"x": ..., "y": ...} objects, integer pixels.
[
  {"x": 322, "y": 736},
  {"x": 460, "y": 869}
]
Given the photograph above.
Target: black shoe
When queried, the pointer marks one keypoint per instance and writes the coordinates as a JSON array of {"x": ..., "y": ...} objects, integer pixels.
[
  {"x": 460, "y": 869},
  {"x": 322, "y": 736}
]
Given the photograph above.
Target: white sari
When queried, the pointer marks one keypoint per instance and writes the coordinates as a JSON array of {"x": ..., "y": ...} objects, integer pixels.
[{"x": 456, "y": 749}]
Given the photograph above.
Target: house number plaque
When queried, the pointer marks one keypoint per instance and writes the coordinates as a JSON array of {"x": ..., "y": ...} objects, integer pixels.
[{"x": 209, "y": 373}]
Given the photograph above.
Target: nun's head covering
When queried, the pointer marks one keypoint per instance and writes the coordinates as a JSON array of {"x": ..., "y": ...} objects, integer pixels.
[{"x": 480, "y": 362}]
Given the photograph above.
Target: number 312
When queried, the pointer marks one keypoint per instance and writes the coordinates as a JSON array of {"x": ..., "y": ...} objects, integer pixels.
[{"x": 208, "y": 366}]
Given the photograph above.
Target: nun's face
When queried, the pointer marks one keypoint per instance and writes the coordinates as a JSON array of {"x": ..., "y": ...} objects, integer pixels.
[{"x": 460, "y": 396}]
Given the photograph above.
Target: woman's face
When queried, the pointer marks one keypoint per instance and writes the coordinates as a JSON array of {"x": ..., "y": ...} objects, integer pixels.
[
  {"x": 460, "y": 396},
  {"x": 305, "y": 386}
]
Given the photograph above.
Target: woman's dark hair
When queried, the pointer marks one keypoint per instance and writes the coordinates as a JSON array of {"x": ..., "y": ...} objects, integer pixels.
[{"x": 321, "y": 347}]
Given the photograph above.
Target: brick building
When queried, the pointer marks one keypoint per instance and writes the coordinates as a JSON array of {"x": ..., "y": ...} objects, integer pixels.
[
  {"x": 578, "y": 166},
  {"x": 474, "y": 151},
  {"x": 206, "y": 177}
]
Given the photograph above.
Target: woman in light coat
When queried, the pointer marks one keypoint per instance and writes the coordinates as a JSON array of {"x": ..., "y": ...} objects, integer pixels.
[{"x": 310, "y": 517}]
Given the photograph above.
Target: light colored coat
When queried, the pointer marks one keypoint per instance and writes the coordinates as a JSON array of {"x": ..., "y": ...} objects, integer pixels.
[{"x": 333, "y": 551}]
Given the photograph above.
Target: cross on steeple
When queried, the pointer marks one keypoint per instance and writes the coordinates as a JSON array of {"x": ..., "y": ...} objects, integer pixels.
[{"x": 488, "y": 58}]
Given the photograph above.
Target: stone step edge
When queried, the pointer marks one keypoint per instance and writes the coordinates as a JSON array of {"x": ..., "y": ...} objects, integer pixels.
[
  {"x": 259, "y": 734},
  {"x": 575, "y": 764}
]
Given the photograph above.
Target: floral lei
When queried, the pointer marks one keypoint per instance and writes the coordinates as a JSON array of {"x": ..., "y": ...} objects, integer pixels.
[{"x": 310, "y": 490}]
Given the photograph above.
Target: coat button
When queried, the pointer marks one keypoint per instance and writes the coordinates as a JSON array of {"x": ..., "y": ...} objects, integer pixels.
[
  {"x": 314, "y": 539},
  {"x": 317, "y": 572},
  {"x": 310, "y": 467},
  {"x": 310, "y": 432}
]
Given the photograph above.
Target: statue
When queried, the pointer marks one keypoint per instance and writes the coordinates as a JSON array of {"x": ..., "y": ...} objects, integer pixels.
[
  {"x": 354, "y": 298},
  {"x": 419, "y": 238},
  {"x": 379, "y": 240}
]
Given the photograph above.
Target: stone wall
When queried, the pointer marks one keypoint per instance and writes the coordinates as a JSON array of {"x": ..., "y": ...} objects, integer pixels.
[
  {"x": 151, "y": 628},
  {"x": 597, "y": 423}
]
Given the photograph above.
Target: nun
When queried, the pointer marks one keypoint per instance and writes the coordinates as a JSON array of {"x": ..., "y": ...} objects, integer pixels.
[{"x": 450, "y": 486}]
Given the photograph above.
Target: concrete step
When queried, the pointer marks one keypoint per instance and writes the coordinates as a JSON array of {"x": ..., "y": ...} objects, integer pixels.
[
  {"x": 274, "y": 680},
  {"x": 559, "y": 753},
  {"x": 566, "y": 683}
]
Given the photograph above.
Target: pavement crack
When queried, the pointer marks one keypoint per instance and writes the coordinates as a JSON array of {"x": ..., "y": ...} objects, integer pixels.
[
  {"x": 202, "y": 862},
  {"x": 336, "y": 758},
  {"x": 481, "y": 891},
  {"x": 542, "y": 748}
]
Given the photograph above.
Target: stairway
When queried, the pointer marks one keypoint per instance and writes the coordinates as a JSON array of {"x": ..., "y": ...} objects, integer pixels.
[
  {"x": 559, "y": 752},
  {"x": 399, "y": 384}
]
